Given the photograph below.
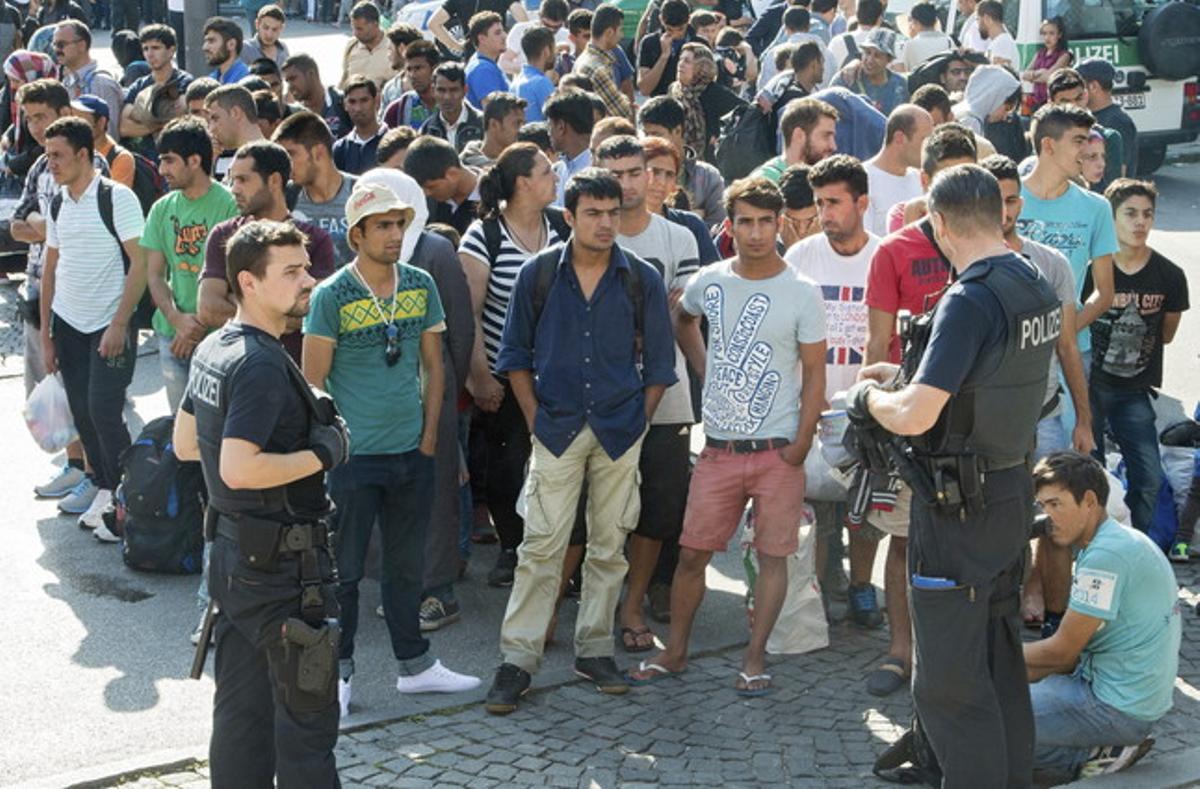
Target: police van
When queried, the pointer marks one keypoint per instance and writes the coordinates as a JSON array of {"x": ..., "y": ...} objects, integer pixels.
[{"x": 1154, "y": 46}]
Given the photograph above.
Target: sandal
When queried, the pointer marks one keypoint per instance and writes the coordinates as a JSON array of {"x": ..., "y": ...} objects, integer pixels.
[
  {"x": 648, "y": 673},
  {"x": 633, "y": 639},
  {"x": 748, "y": 692},
  {"x": 888, "y": 678}
]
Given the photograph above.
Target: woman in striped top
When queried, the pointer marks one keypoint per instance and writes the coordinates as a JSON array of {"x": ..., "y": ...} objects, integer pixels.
[{"x": 513, "y": 196}]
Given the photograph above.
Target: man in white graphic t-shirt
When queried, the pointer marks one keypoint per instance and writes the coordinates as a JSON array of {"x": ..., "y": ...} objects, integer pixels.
[{"x": 764, "y": 320}]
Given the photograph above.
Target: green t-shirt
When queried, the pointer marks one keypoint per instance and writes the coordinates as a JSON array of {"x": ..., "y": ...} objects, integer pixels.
[
  {"x": 382, "y": 405},
  {"x": 772, "y": 170},
  {"x": 178, "y": 228},
  {"x": 1122, "y": 578},
  {"x": 633, "y": 14}
]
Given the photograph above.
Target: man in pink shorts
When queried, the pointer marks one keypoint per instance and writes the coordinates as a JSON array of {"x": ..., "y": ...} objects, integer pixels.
[{"x": 764, "y": 319}]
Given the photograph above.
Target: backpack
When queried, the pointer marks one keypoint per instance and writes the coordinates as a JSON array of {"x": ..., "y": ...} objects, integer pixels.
[
  {"x": 104, "y": 198},
  {"x": 631, "y": 280},
  {"x": 852, "y": 50},
  {"x": 747, "y": 140},
  {"x": 491, "y": 230},
  {"x": 160, "y": 504},
  {"x": 148, "y": 183}
]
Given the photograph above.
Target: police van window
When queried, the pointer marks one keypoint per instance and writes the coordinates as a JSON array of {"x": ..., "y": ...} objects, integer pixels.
[{"x": 1087, "y": 19}]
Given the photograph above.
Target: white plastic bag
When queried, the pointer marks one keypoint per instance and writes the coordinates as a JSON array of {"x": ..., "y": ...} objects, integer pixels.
[
  {"x": 48, "y": 415},
  {"x": 801, "y": 626}
]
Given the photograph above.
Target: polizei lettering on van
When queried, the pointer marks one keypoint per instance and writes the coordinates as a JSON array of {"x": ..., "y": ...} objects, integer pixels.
[{"x": 1040, "y": 329}]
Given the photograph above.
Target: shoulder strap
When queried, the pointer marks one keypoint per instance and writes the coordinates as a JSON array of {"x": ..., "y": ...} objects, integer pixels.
[
  {"x": 557, "y": 223},
  {"x": 56, "y": 205},
  {"x": 112, "y": 154},
  {"x": 852, "y": 51},
  {"x": 104, "y": 200},
  {"x": 491, "y": 238},
  {"x": 632, "y": 280},
  {"x": 547, "y": 270}
]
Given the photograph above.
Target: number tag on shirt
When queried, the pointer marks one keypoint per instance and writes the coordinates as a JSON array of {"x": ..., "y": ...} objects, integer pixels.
[{"x": 1094, "y": 588}]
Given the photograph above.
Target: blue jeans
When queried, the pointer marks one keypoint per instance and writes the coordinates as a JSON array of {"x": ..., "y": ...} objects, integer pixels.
[
  {"x": 174, "y": 372},
  {"x": 1070, "y": 721},
  {"x": 1129, "y": 415},
  {"x": 393, "y": 490}
]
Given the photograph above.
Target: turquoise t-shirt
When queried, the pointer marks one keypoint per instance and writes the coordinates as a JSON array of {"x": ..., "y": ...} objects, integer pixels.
[
  {"x": 1123, "y": 578},
  {"x": 178, "y": 228},
  {"x": 1078, "y": 224},
  {"x": 382, "y": 405}
]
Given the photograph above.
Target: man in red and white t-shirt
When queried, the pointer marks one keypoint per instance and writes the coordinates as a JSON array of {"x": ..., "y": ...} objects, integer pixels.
[{"x": 837, "y": 259}]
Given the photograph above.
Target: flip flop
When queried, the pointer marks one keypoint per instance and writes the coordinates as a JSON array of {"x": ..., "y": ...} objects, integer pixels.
[
  {"x": 651, "y": 673},
  {"x": 749, "y": 692},
  {"x": 888, "y": 678},
  {"x": 630, "y": 636}
]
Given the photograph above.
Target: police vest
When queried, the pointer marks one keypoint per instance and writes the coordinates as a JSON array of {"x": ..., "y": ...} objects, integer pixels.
[
  {"x": 214, "y": 364},
  {"x": 995, "y": 416}
]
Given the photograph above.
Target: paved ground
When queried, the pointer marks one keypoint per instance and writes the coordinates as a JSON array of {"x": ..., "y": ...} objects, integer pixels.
[
  {"x": 96, "y": 655},
  {"x": 820, "y": 728}
]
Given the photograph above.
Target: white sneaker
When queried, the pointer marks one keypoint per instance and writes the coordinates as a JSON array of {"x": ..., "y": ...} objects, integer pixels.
[
  {"x": 61, "y": 484},
  {"x": 79, "y": 499},
  {"x": 103, "y": 534},
  {"x": 344, "y": 696},
  {"x": 437, "y": 679},
  {"x": 94, "y": 517}
]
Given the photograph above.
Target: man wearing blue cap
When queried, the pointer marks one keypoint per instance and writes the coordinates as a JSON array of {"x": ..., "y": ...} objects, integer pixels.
[
  {"x": 1098, "y": 77},
  {"x": 94, "y": 110}
]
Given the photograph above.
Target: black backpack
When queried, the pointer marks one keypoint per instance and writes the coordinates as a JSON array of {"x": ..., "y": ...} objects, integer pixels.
[
  {"x": 491, "y": 230},
  {"x": 162, "y": 502},
  {"x": 747, "y": 140},
  {"x": 104, "y": 199},
  {"x": 148, "y": 182}
]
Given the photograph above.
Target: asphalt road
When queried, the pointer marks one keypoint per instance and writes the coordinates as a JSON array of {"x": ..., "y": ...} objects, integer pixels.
[{"x": 95, "y": 656}]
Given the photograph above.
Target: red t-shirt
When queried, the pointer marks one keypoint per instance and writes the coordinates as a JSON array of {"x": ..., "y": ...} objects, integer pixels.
[
  {"x": 320, "y": 255},
  {"x": 904, "y": 271}
]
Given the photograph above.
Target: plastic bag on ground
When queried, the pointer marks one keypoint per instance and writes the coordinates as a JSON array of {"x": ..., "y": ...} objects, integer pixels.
[
  {"x": 48, "y": 415},
  {"x": 801, "y": 626}
]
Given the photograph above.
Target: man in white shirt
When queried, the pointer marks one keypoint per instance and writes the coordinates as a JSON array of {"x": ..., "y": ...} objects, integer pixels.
[
  {"x": 894, "y": 173},
  {"x": 970, "y": 35},
  {"x": 1001, "y": 48},
  {"x": 88, "y": 298},
  {"x": 925, "y": 40},
  {"x": 838, "y": 260},
  {"x": 671, "y": 249}
]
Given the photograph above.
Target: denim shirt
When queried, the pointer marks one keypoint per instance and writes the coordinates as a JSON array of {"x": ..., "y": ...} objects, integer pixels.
[{"x": 583, "y": 354}]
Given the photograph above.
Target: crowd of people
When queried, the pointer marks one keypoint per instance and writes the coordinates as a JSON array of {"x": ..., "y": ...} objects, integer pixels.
[{"x": 534, "y": 283}]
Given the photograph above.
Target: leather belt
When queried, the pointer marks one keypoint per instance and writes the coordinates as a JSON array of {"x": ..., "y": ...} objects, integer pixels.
[
  {"x": 293, "y": 537},
  {"x": 746, "y": 446}
]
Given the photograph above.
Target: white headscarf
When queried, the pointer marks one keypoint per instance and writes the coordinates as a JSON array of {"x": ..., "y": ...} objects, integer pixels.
[{"x": 409, "y": 191}]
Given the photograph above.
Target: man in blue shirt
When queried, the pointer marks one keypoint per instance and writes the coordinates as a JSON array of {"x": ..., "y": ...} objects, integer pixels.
[
  {"x": 1108, "y": 673},
  {"x": 581, "y": 315},
  {"x": 532, "y": 84},
  {"x": 483, "y": 73},
  {"x": 223, "y": 48}
]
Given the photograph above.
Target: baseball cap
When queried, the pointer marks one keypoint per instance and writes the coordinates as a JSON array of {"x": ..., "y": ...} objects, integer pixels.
[
  {"x": 93, "y": 104},
  {"x": 882, "y": 39},
  {"x": 369, "y": 199},
  {"x": 1097, "y": 69}
]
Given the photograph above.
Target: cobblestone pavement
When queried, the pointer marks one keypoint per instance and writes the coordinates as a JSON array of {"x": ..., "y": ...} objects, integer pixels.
[{"x": 820, "y": 728}]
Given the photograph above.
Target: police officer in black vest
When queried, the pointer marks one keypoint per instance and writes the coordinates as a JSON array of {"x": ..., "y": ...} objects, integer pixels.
[
  {"x": 970, "y": 413},
  {"x": 264, "y": 440}
]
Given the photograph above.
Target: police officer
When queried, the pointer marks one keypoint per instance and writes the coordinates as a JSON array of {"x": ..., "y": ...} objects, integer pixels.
[
  {"x": 264, "y": 440},
  {"x": 970, "y": 413}
]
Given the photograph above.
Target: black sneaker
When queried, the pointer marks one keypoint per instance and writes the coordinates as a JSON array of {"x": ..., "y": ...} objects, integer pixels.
[
  {"x": 502, "y": 573},
  {"x": 864, "y": 605},
  {"x": 510, "y": 685},
  {"x": 603, "y": 673},
  {"x": 437, "y": 614}
]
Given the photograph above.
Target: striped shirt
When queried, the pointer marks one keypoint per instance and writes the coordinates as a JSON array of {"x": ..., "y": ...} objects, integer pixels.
[
  {"x": 502, "y": 275},
  {"x": 90, "y": 275}
]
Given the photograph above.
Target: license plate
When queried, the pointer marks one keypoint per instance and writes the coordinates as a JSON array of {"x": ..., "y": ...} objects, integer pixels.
[{"x": 1131, "y": 101}]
